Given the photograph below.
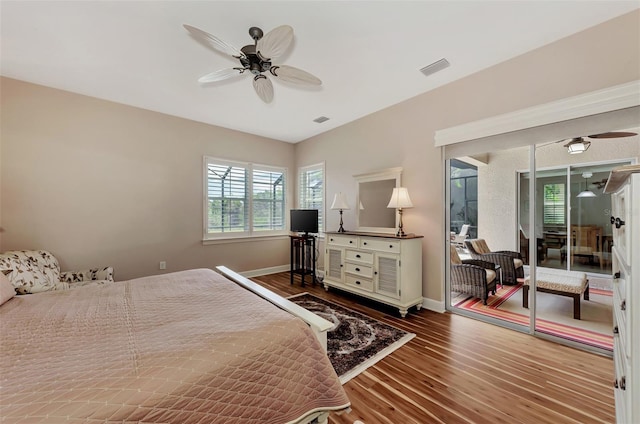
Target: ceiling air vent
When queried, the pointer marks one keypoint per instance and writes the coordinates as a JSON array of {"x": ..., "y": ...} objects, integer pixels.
[
  {"x": 321, "y": 119},
  {"x": 435, "y": 67}
]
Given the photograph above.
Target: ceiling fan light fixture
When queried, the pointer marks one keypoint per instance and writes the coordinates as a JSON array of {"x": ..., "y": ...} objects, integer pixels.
[
  {"x": 586, "y": 192},
  {"x": 577, "y": 145}
]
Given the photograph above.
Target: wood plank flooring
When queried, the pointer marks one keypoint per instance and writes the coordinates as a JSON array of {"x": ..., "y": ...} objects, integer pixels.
[{"x": 459, "y": 370}]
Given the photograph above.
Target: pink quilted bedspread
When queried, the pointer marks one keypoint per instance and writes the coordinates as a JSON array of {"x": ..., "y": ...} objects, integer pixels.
[{"x": 187, "y": 347}]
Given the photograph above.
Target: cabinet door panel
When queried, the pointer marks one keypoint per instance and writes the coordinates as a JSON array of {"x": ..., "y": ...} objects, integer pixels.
[
  {"x": 388, "y": 269},
  {"x": 334, "y": 259}
]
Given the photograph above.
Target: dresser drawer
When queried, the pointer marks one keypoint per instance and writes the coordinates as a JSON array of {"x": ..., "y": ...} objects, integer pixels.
[
  {"x": 359, "y": 269},
  {"x": 358, "y": 256},
  {"x": 380, "y": 244},
  {"x": 334, "y": 240},
  {"x": 361, "y": 283}
]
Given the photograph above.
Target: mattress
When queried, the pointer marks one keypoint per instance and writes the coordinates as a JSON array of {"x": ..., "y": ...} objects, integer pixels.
[{"x": 185, "y": 347}]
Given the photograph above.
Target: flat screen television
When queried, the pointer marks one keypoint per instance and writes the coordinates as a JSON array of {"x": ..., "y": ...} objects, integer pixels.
[{"x": 304, "y": 220}]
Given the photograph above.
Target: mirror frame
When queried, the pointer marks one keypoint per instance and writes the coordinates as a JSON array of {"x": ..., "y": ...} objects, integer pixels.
[{"x": 382, "y": 175}]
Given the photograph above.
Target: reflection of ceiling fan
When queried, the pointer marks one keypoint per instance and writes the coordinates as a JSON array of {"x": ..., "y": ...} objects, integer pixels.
[
  {"x": 581, "y": 144},
  {"x": 256, "y": 59},
  {"x": 600, "y": 184}
]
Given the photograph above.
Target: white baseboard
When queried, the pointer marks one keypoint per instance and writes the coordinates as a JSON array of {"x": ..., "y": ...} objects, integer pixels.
[
  {"x": 433, "y": 305},
  {"x": 265, "y": 271}
]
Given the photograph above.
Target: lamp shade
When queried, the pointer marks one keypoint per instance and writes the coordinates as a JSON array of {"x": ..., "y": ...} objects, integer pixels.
[
  {"x": 400, "y": 199},
  {"x": 340, "y": 202},
  {"x": 586, "y": 193}
]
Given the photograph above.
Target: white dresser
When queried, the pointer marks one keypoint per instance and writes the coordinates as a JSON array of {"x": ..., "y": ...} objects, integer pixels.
[
  {"x": 382, "y": 267},
  {"x": 624, "y": 185}
]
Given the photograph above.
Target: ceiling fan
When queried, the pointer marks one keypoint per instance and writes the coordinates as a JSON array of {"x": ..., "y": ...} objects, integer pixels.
[
  {"x": 581, "y": 144},
  {"x": 256, "y": 58}
]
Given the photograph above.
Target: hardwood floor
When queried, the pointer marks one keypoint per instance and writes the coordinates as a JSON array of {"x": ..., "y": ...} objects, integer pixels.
[{"x": 459, "y": 370}]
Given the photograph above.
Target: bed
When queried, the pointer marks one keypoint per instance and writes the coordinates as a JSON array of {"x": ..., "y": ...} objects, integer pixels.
[{"x": 186, "y": 347}]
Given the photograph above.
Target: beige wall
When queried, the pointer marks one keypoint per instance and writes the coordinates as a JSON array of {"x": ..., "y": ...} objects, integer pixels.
[
  {"x": 403, "y": 135},
  {"x": 100, "y": 183}
]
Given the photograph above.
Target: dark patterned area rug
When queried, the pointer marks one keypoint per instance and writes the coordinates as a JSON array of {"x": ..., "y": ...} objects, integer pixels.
[{"x": 356, "y": 341}]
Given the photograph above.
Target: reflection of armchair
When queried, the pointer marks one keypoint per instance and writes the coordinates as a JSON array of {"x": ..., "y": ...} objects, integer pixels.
[
  {"x": 511, "y": 262},
  {"x": 34, "y": 271},
  {"x": 458, "y": 239},
  {"x": 472, "y": 276}
]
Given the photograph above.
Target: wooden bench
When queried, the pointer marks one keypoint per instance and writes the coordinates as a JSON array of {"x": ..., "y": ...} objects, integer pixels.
[{"x": 560, "y": 282}]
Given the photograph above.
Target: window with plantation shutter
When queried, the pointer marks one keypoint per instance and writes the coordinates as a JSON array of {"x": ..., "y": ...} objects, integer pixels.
[
  {"x": 554, "y": 204},
  {"x": 311, "y": 191},
  {"x": 243, "y": 199}
]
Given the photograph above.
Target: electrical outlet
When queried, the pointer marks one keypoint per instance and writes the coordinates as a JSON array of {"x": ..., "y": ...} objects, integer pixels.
[{"x": 163, "y": 265}]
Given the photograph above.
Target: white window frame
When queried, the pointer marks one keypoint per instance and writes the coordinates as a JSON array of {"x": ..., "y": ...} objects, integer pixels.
[
  {"x": 250, "y": 231},
  {"x": 561, "y": 205},
  {"x": 303, "y": 201}
]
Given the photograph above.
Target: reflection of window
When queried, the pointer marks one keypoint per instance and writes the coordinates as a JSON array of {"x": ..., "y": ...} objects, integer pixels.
[
  {"x": 554, "y": 204},
  {"x": 311, "y": 192},
  {"x": 243, "y": 198}
]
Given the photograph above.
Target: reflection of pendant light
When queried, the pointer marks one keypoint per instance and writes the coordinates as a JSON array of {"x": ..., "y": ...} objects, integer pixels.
[{"x": 586, "y": 192}]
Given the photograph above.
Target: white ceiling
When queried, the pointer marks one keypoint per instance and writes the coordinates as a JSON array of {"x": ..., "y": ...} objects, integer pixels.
[{"x": 367, "y": 53}]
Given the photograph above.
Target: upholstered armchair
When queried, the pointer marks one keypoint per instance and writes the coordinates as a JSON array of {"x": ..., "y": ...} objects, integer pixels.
[
  {"x": 35, "y": 271},
  {"x": 510, "y": 262},
  {"x": 472, "y": 276}
]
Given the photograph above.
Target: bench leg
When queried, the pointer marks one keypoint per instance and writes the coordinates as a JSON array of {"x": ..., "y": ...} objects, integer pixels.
[
  {"x": 576, "y": 306},
  {"x": 525, "y": 296},
  {"x": 586, "y": 293}
]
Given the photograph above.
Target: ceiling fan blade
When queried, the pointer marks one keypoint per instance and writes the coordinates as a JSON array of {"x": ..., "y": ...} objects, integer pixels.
[
  {"x": 219, "y": 75},
  {"x": 275, "y": 42},
  {"x": 263, "y": 87},
  {"x": 213, "y": 41},
  {"x": 613, "y": 135},
  {"x": 294, "y": 75}
]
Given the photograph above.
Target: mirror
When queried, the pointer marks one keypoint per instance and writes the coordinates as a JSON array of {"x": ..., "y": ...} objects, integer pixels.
[{"x": 374, "y": 192}]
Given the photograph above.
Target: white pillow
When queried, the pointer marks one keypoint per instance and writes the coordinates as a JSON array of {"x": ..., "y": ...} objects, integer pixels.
[{"x": 6, "y": 289}]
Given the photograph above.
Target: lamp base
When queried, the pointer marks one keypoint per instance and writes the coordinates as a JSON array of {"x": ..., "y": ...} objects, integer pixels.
[{"x": 341, "y": 230}]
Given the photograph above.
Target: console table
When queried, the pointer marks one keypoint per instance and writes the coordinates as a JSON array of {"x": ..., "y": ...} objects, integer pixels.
[{"x": 303, "y": 257}]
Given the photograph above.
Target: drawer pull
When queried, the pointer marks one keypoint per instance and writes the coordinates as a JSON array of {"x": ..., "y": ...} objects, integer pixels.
[
  {"x": 365, "y": 243},
  {"x": 616, "y": 330},
  {"x": 358, "y": 269},
  {"x": 615, "y": 383},
  {"x": 616, "y": 275},
  {"x": 357, "y": 282},
  {"x": 391, "y": 246},
  {"x": 619, "y": 223},
  {"x": 350, "y": 241},
  {"x": 623, "y": 383},
  {"x": 623, "y": 305},
  {"x": 613, "y": 220},
  {"x": 358, "y": 256},
  {"x": 330, "y": 239}
]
